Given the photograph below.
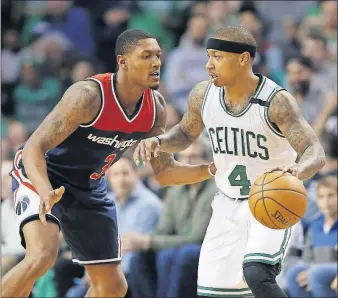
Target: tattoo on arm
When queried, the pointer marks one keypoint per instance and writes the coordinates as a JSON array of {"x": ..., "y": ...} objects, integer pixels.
[
  {"x": 163, "y": 161},
  {"x": 79, "y": 105},
  {"x": 182, "y": 135},
  {"x": 285, "y": 113}
]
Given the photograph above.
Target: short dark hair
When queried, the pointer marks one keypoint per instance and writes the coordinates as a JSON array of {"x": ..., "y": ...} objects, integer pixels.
[
  {"x": 128, "y": 40},
  {"x": 236, "y": 34}
]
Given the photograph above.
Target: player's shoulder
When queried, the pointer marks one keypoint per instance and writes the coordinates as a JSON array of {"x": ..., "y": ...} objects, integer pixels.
[
  {"x": 102, "y": 77},
  {"x": 159, "y": 100},
  {"x": 88, "y": 89},
  {"x": 197, "y": 95},
  {"x": 283, "y": 106}
]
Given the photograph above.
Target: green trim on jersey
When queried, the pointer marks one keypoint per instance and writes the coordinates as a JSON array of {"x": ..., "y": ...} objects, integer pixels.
[
  {"x": 266, "y": 117},
  {"x": 259, "y": 88},
  {"x": 223, "y": 292},
  {"x": 204, "y": 98},
  {"x": 271, "y": 259}
]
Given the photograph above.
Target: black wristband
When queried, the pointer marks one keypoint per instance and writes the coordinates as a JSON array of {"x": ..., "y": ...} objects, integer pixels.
[{"x": 159, "y": 140}]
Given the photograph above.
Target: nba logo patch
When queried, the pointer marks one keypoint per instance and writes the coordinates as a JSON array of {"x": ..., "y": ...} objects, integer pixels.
[{"x": 22, "y": 205}]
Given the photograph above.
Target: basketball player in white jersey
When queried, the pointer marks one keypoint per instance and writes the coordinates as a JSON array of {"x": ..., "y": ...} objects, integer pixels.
[{"x": 253, "y": 125}]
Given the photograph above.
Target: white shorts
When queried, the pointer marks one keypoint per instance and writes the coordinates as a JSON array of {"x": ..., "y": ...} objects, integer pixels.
[
  {"x": 235, "y": 237},
  {"x": 27, "y": 203}
]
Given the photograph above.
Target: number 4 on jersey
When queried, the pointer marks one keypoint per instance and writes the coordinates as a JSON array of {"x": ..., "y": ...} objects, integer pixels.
[{"x": 238, "y": 177}]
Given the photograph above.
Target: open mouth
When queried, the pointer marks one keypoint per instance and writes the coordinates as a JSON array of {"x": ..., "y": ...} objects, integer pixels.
[
  {"x": 213, "y": 77},
  {"x": 155, "y": 74}
]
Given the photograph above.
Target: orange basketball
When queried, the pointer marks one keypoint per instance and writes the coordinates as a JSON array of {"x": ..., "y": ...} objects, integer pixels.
[{"x": 278, "y": 200}]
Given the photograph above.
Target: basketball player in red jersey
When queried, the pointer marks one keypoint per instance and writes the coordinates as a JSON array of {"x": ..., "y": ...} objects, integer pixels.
[{"x": 58, "y": 174}]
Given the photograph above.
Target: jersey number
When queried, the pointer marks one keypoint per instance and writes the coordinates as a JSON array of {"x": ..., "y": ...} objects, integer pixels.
[
  {"x": 109, "y": 161},
  {"x": 238, "y": 177}
]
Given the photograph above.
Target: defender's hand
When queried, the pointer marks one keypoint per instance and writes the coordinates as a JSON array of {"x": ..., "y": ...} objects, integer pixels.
[
  {"x": 47, "y": 202},
  {"x": 146, "y": 150}
]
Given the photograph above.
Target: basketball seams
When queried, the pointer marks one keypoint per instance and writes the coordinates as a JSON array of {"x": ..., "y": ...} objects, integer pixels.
[
  {"x": 283, "y": 206},
  {"x": 259, "y": 194},
  {"x": 279, "y": 189},
  {"x": 267, "y": 212}
]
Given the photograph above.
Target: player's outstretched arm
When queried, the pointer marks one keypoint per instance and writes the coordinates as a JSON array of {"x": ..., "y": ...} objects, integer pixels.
[
  {"x": 167, "y": 170},
  {"x": 79, "y": 105},
  {"x": 284, "y": 112},
  {"x": 182, "y": 135}
]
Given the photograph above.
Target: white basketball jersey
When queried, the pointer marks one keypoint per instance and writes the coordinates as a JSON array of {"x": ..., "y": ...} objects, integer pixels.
[{"x": 245, "y": 144}]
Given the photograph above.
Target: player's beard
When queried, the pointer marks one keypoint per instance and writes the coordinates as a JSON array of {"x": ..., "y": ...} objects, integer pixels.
[{"x": 156, "y": 87}]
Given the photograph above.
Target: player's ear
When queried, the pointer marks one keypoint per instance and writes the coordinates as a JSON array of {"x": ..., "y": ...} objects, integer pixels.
[
  {"x": 122, "y": 61},
  {"x": 244, "y": 59}
]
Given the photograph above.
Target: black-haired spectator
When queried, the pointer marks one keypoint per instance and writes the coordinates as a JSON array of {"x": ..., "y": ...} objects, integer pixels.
[{"x": 10, "y": 70}]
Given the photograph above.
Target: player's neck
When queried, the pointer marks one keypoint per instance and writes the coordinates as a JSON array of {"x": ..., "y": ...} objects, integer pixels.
[
  {"x": 128, "y": 93},
  {"x": 240, "y": 90}
]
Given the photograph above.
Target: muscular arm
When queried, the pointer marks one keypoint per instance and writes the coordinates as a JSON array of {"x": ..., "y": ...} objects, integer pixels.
[
  {"x": 285, "y": 113},
  {"x": 167, "y": 170},
  {"x": 79, "y": 105},
  {"x": 182, "y": 135}
]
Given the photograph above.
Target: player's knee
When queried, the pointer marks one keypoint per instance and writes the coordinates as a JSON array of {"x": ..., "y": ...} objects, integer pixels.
[
  {"x": 111, "y": 288},
  {"x": 39, "y": 261},
  {"x": 258, "y": 275}
]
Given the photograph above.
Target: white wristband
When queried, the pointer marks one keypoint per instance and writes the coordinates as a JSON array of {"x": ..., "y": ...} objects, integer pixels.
[{"x": 209, "y": 169}]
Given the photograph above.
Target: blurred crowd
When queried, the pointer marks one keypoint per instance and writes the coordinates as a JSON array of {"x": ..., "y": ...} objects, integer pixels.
[{"x": 49, "y": 45}]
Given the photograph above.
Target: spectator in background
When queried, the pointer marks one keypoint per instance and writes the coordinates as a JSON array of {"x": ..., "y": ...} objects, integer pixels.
[
  {"x": 16, "y": 136},
  {"x": 10, "y": 69},
  {"x": 73, "y": 23},
  {"x": 325, "y": 23},
  {"x": 81, "y": 70},
  {"x": 308, "y": 91},
  {"x": 315, "y": 48},
  {"x": 290, "y": 45},
  {"x": 58, "y": 60},
  {"x": 171, "y": 254},
  {"x": 138, "y": 209},
  {"x": 221, "y": 13},
  {"x": 269, "y": 59},
  {"x": 186, "y": 63},
  {"x": 320, "y": 252},
  {"x": 293, "y": 255},
  {"x": 275, "y": 12},
  {"x": 35, "y": 96},
  {"x": 113, "y": 20},
  {"x": 11, "y": 250}
]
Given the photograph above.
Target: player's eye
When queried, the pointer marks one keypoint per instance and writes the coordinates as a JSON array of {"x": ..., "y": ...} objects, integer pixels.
[{"x": 146, "y": 57}]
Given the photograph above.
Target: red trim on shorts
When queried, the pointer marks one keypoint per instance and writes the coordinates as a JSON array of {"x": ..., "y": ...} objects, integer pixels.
[
  {"x": 27, "y": 184},
  {"x": 17, "y": 159}
]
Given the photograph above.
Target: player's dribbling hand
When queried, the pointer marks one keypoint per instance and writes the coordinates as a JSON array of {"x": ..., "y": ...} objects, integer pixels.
[
  {"x": 47, "y": 201},
  {"x": 146, "y": 150},
  {"x": 293, "y": 170}
]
